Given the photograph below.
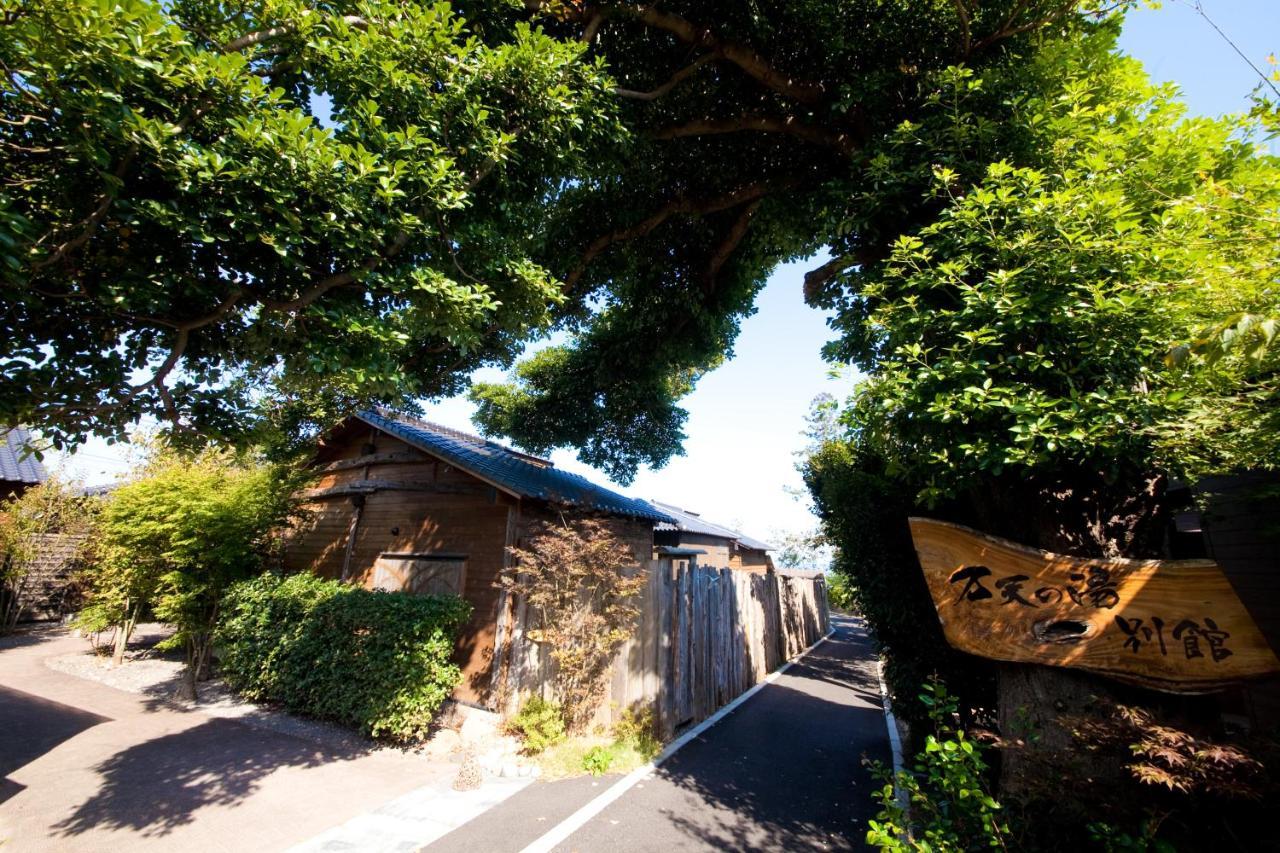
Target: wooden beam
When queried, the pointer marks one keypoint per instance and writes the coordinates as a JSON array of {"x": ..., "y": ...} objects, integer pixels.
[
  {"x": 368, "y": 487},
  {"x": 373, "y": 459}
]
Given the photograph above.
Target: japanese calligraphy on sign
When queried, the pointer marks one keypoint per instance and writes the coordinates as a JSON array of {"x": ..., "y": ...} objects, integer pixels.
[{"x": 1174, "y": 625}]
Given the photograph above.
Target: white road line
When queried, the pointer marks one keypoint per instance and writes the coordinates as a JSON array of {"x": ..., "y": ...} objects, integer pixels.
[
  {"x": 578, "y": 819},
  {"x": 895, "y": 740}
]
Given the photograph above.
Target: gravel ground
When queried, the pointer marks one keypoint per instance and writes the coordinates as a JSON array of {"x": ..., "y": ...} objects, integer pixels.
[{"x": 157, "y": 675}]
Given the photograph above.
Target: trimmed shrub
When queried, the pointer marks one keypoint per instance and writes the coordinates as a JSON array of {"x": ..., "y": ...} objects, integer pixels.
[{"x": 376, "y": 661}]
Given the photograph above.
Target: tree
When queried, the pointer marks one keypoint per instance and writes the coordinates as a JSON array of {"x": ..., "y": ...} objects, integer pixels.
[
  {"x": 760, "y": 134},
  {"x": 212, "y": 239},
  {"x": 183, "y": 228},
  {"x": 175, "y": 539},
  {"x": 1036, "y": 332},
  {"x": 581, "y": 582}
]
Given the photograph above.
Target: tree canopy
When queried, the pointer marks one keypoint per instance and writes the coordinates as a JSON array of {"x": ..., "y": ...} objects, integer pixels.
[
  {"x": 210, "y": 245},
  {"x": 206, "y": 200}
]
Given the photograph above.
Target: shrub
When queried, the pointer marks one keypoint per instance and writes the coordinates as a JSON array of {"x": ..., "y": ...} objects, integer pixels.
[
  {"x": 950, "y": 806},
  {"x": 50, "y": 507},
  {"x": 598, "y": 760},
  {"x": 637, "y": 730},
  {"x": 174, "y": 539},
  {"x": 376, "y": 661},
  {"x": 539, "y": 724}
]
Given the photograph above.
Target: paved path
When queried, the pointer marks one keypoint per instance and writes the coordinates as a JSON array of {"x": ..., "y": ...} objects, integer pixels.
[
  {"x": 782, "y": 772},
  {"x": 86, "y": 767}
]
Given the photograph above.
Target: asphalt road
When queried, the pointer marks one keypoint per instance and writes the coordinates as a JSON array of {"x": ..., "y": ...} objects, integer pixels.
[{"x": 782, "y": 772}]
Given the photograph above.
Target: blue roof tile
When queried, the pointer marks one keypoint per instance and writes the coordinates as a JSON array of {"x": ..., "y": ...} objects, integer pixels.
[
  {"x": 17, "y": 466},
  {"x": 691, "y": 522},
  {"x": 518, "y": 473}
]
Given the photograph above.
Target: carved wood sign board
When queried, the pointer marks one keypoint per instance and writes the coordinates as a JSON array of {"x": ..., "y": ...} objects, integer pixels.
[{"x": 1172, "y": 625}]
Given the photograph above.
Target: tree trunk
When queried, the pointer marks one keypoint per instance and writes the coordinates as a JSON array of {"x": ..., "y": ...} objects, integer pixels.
[{"x": 123, "y": 632}]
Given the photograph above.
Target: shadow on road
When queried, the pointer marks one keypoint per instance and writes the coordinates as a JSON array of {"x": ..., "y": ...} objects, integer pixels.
[
  {"x": 160, "y": 784},
  {"x": 786, "y": 772},
  {"x": 30, "y": 726}
]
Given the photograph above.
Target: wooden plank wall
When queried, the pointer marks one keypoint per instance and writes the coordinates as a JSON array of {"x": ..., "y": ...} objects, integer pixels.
[{"x": 704, "y": 637}]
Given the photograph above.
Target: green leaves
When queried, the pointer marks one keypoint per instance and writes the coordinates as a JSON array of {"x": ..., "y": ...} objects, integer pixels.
[
  {"x": 376, "y": 661},
  {"x": 1028, "y": 325},
  {"x": 199, "y": 209}
]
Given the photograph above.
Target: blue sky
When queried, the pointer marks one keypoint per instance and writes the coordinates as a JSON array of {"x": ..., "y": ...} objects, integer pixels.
[{"x": 745, "y": 419}]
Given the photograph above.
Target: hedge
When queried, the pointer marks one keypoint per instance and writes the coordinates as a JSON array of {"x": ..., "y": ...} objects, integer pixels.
[{"x": 375, "y": 661}]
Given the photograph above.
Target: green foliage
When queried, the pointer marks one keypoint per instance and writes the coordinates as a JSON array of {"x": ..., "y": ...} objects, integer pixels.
[
  {"x": 864, "y": 512},
  {"x": 840, "y": 592},
  {"x": 341, "y": 200},
  {"x": 175, "y": 538},
  {"x": 376, "y": 661},
  {"x": 539, "y": 723},
  {"x": 637, "y": 730},
  {"x": 949, "y": 805},
  {"x": 53, "y": 506},
  {"x": 785, "y": 129},
  {"x": 580, "y": 582},
  {"x": 1028, "y": 326},
  {"x": 598, "y": 760}
]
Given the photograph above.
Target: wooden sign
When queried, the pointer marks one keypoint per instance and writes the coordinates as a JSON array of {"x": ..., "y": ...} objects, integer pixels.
[{"x": 1172, "y": 625}]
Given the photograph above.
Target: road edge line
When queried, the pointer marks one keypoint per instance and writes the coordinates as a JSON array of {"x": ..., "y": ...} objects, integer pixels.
[
  {"x": 561, "y": 831},
  {"x": 895, "y": 739}
]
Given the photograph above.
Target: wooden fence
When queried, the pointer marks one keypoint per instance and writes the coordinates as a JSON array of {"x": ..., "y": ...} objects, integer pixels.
[{"x": 705, "y": 636}]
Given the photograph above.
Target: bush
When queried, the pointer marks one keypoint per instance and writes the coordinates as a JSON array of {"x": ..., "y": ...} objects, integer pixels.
[
  {"x": 376, "y": 661},
  {"x": 637, "y": 730},
  {"x": 950, "y": 806},
  {"x": 539, "y": 724}
]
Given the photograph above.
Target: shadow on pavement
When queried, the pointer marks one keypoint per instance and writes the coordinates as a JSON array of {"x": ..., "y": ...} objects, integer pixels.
[
  {"x": 159, "y": 785},
  {"x": 30, "y": 726},
  {"x": 786, "y": 772}
]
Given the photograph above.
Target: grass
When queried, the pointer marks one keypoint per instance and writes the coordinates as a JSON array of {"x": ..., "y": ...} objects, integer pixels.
[{"x": 567, "y": 758}]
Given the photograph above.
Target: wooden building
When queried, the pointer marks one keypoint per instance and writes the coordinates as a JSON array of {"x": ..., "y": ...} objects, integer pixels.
[
  {"x": 403, "y": 504},
  {"x": 19, "y": 469},
  {"x": 689, "y": 536}
]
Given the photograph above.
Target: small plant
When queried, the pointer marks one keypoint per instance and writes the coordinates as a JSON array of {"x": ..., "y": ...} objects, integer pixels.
[
  {"x": 636, "y": 729},
  {"x": 539, "y": 724},
  {"x": 598, "y": 760},
  {"x": 949, "y": 807}
]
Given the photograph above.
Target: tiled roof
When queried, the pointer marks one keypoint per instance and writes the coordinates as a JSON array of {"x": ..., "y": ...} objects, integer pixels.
[
  {"x": 691, "y": 522},
  {"x": 518, "y": 473},
  {"x": 15, "y": 465}
]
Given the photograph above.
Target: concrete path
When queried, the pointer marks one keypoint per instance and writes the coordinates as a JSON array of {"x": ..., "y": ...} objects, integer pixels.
[
  {"x": 85, "y": 767},
  {"x": 782, "y": 772}
]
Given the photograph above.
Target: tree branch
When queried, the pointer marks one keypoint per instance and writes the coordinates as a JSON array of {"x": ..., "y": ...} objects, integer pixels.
[
  {"x": 816, "y": 279},
  {"x": 752, "y": 63},
  {"x": 260, "y": 36},
  {"x": 732, "y": 238},
  {"x": 750, "y": 192},
  {"x": 840, "y": 140},
  {"x": 671, "y": 83}
]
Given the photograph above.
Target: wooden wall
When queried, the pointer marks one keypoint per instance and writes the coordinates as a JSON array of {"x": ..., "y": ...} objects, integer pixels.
[
  {"x": 432, "y": 508},
  {"x": 705, "y": 636}
]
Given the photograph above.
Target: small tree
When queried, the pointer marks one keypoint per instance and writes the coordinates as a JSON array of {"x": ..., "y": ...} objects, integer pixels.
[
  {"x": 581, "y": 582},
  {"x": 175, "y": 539},
  {"x": 50, "y": 507}
]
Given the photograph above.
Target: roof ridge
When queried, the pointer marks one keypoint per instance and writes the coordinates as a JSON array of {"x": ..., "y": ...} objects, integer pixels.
[{"x": 462, "y": 435}]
